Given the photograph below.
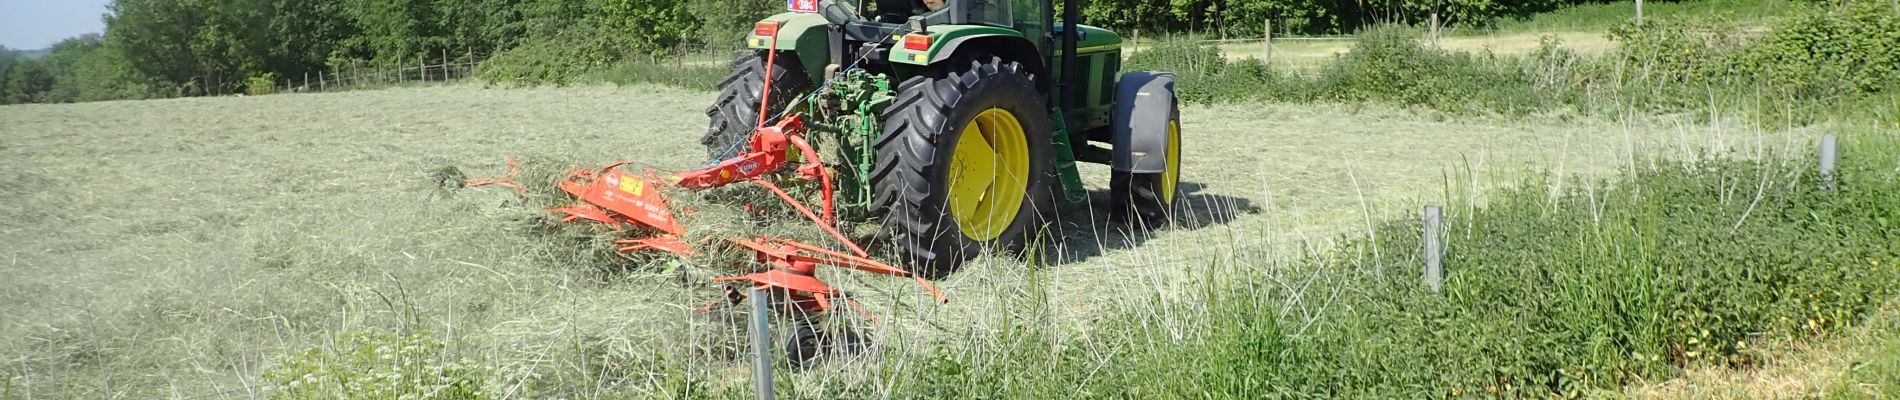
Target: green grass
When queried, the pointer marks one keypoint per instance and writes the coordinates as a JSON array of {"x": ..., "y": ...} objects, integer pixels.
[
  {"x": 213, "y": 242},
  {"x": 253, "y": 229},
  {"x": 1565, "y": 291},
  {"x": 1602, "y": 17},
  {"x": 1873, "y": 370}
]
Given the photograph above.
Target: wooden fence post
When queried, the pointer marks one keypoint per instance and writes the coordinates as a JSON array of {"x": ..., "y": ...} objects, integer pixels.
[
  {"x": 1639, "y": 12},
  {"x": 1268, "y": 34},
  {"x": 1434, "y": 248},
  {"x": 321, "y": 85},
  {"x": 1830, "y": 155},
  {"x": 761, "y": 343}
]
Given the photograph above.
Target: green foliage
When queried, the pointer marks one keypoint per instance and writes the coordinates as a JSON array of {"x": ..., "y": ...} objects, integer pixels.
[
  {"x": 377, "y": 365},
  {"x": 724, "y": 23},
  {"x": 1602, "y": 16},
  {"x": 1390, "y": 64},
  {"x": 28, "y": 81},
  {"x": 558, "y": 60},
  {"x": 647, "y": 26},
  {"x": 1203, "y": 75},
  {"x": 260, "y": 84},
  {"x": 1806, "y": 64},
  {"x": 1825, "y": 53},
  {"x": 83, "y": 68},
  {"x": 206, "y": 47},
  {"x": 1386, "y": 65},
  {"x": 1562, "y": 295},
  {"x": 1874, "y": 375}
]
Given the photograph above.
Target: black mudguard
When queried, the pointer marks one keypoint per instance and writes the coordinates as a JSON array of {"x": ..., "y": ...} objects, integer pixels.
[{"x": 1144, "y": 104}]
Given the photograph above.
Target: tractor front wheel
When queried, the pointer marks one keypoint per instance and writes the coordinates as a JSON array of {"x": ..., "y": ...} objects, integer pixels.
[
  {"x": 964, "y": 163},
  {"x": 1151, "y": 199}
]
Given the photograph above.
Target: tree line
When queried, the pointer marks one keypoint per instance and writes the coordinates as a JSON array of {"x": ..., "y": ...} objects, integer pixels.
[{"x": 166, "y": 48}]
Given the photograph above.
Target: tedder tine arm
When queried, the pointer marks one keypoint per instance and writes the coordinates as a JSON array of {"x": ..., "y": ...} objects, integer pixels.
[
  {"x": 837, "y": 259},
  {"x": 813, "y": 217},
  {"x": 817, "y": 168}
]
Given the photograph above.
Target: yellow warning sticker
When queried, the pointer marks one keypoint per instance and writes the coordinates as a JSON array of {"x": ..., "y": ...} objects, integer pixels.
[{"x": 632, "y": 186}]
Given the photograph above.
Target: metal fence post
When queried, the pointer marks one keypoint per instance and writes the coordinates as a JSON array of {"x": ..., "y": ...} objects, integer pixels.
[
  {"x": 761, "y": 343},
  {"x": 1830, "y": 155},
  {"x": 1434, "y": 248}
]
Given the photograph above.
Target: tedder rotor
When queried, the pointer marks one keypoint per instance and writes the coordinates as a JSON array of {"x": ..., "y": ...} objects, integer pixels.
[{"x": 952, "y": 125}]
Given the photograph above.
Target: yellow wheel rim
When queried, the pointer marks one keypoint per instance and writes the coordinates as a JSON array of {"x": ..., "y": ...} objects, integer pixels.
[
  {"x": 988, "y": 174},
  {"x": 1172, "y": 175}
]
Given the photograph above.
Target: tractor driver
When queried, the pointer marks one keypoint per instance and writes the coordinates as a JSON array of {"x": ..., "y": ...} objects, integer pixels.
[{"x": 933, "y": 5}]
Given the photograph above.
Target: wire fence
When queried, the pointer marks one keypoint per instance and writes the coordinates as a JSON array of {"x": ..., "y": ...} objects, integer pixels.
[{"x": 354, "y": 76}]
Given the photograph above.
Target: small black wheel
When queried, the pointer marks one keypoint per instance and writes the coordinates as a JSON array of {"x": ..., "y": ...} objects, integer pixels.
[
  {"x": 810, "y": 342},
  {"x": 736, "y": 111}
]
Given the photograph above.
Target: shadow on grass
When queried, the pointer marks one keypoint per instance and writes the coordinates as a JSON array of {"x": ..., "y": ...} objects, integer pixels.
[{"x": 1091, "y": 229}]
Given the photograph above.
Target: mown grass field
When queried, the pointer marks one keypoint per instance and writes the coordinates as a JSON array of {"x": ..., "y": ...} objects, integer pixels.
[{"x": 179, "y": 248}]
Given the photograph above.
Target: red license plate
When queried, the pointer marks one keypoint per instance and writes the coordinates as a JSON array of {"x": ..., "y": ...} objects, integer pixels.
[{"x": 806, "y": 6}]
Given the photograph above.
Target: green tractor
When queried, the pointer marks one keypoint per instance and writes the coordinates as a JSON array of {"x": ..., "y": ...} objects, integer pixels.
[{"x": 958, "y": 123}]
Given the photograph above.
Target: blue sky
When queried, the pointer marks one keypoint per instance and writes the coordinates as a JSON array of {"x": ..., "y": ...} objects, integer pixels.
[{"x": 37, "y": 24}]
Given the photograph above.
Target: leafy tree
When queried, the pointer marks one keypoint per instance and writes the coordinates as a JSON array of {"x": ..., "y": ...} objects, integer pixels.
[
  {"x": 647, "y": 25},
  {"x": 27, "y": 81},
  {"x": 302, "y": 36},
  {"x": 724, "y": 23},
  {"x": 393, "y": 30}
]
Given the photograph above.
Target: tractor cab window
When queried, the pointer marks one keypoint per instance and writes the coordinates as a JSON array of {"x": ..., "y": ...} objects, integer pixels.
[
  {"x": 942, "y": 12},
  {"x": 977, "y": 12}
]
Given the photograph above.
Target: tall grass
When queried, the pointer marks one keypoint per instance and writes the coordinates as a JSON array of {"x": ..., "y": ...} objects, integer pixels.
[
  {"x": 1793, "y": 73},
  {"x": 1601, "y": 285},
  {"x": 1603, "y": 16}
]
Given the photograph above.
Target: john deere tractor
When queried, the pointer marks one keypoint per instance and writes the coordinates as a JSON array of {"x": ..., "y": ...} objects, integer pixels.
[{"x": 957, "y": 124}]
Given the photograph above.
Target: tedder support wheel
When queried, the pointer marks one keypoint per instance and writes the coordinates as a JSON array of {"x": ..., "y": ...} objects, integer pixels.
[
  {"x": 736, "y": 111},
  {"x": 1150, "y": 199},
  {"x": 964, "y": 163}
]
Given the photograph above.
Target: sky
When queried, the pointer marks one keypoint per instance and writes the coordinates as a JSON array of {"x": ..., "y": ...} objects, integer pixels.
[{"x": 37, "y": 24}]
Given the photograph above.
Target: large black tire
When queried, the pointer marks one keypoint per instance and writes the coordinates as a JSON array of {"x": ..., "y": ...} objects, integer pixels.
[
  {"x": 736, "y": 111},
  {"x": 921, "y": 130},
  {"x": 1149, "y": 200}
]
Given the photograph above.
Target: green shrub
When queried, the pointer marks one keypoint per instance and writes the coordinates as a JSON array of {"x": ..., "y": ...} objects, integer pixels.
[
  {"x": 260, "y": 84},
  {"x": 377, "y": 365},
  {"x": 1828, "y": 52},
  {"x": 555, "y": 60},
  {"x": 1204, "y": 75},
  {"x": 1389, "y": 64}
]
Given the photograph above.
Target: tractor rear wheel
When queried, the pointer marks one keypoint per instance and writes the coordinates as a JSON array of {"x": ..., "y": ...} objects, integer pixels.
[
  {"x": 735, "y": 112},
  {"x": 964, "y": 163}
]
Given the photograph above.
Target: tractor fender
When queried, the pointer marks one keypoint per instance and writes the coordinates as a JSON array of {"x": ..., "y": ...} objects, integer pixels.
[
  {"x": 1144, "y": 106},
  {"x": 1008, "y": 46}
]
